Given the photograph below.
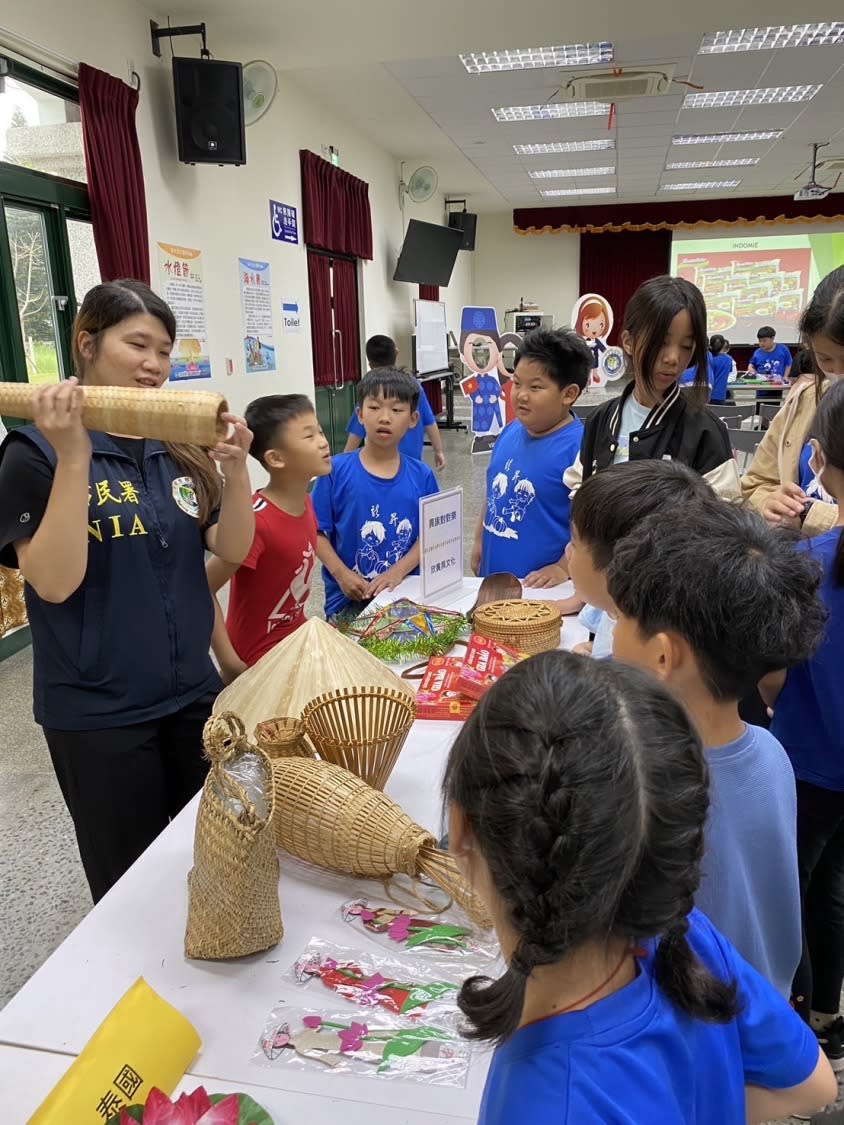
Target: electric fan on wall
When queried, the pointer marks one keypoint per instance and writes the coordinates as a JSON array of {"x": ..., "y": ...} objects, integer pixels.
[
  {"x": 420, "y": 187},
  {"x": 259, "y": 87}
]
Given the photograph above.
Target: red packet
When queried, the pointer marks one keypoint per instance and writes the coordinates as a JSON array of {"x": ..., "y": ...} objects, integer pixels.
[
  {"x": 485, "y": 662},
  {"x": 438, "y": 696}
]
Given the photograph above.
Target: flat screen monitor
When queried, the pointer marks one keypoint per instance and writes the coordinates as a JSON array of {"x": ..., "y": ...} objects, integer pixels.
[{"x": 428, "y": 254}]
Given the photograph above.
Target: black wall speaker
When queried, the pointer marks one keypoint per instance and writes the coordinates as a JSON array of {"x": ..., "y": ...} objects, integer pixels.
[
  {"x": 465, "y": 221},
  {"x": 209, "y": 111}
]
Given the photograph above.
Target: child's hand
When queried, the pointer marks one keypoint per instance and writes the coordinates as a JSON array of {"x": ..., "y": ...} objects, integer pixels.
[
  {"x": 570, "y": 606},
  {"x": 231, "y": 453},
  {"x": 386, "y": 581},
  {"x": 439, "y": 459},
  {"x": 553, "y": 575},
  {"x": 583, "y": 649},
  {"x": 353, "y": 585},
  {"x": 475, "y": 557},
  {"x": 784, "y": 507}
]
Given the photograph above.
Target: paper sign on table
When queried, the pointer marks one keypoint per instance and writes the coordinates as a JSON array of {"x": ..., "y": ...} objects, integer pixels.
[
  {"x": 142, "y": 1042},
  {"x": 441, "y": 542}
]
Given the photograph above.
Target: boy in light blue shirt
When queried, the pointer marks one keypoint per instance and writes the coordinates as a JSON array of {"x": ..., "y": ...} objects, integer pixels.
[
  {"x": 709, "y": 605},
  {"x": 524, "y": 525}
]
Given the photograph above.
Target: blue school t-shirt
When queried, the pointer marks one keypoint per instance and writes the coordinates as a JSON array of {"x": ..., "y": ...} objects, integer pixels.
[
  {"x": 690, "y": 374},
  {"x": 413, "y": 441},
  {"x": 370, "y": 522},
  {"x": 720, "y": 367},
  {"x": 526, "y": 522},
  {"x": 774, "y": 363},
  {"x": 809, "y": 713},
  {"x": 749, "y": 884},
  {"x": 633, "y": 1058}
]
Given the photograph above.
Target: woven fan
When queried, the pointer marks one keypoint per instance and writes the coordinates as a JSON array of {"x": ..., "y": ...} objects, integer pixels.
[
  {"x": 361, "y": 729},
  {"x": 526, "y": 625},
  {"x": 327, "y": 816},
  {"x": 189, "y": 417},
  {"x": 313, "y": 660}
]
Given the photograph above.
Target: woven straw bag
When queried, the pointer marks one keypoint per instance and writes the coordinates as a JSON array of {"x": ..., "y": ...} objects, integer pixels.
[
  {"x": 361, "y": 729},
  {"x": 189, "y": 417},
  {"x": 328, "y": 816},
  {"x": 526, "y": 625},
  {"x": 283, "y": 738},
  {"x": 233, "y": 904}
]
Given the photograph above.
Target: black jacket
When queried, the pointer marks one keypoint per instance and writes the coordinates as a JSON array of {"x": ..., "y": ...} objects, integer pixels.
[{"x": 671, "y": 430}]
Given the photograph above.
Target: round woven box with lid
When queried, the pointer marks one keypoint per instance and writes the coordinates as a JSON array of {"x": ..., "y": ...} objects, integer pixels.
[{"x": 527, "y": 625}]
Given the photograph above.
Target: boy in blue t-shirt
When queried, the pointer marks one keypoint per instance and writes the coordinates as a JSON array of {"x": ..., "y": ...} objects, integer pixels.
[
  {"x": 709, "y": 604},
  {"x": 524, "y": 527},
  {"x": 367, "y": 508},
  {"x": 381, "y": 351},
  {"x": 770, "y": 359}
]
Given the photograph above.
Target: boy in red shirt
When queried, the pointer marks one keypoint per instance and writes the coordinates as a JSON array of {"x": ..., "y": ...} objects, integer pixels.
[{"x": 270, "y": 587}]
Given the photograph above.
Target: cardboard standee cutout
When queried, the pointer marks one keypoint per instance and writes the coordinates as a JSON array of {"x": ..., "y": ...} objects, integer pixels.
[
  {"x": 592, "y": 319},
  {"x": 485, "y": 386}
]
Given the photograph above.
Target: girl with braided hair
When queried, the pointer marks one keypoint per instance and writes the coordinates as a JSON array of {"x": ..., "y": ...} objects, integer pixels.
[{"x": 577, "y": 795}]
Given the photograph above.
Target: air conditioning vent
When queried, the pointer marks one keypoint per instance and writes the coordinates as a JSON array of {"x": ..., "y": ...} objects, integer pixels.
[{"x": 604, "y": 86}]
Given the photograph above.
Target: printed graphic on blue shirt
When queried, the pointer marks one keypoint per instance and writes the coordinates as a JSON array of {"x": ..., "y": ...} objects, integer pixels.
[
  {"x": 773, "y": 363},
  {"x": 808, "y": 478}
]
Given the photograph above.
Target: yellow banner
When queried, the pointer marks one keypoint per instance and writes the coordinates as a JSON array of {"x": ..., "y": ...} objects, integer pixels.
[{"x": 142, "y": 1042}]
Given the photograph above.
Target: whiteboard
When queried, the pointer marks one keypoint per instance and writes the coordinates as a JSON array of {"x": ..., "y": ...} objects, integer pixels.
[{"x": 431, "y": 337}]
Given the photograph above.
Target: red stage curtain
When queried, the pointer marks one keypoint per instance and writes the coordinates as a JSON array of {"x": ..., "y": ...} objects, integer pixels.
[
  {"x": 432, "y": 387},
  {"x": 319, "y": 294},
  {"x": 335, "y": 208},
  {"x": 669, "y": 216},
  {"x": 614, "y": 265},
  {"x": 346, "y": 319},
  {"x": 115, "y": 175}
]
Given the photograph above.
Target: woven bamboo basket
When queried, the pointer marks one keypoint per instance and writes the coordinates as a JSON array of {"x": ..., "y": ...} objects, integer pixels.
[
  {"x": 283, "y": 738},
  {"x": 361, "y": 729},
  {"x": 233, "y": 904},
  {"x": 526, "y": 625},
  {"x": 189, "y": 417},
  {"x": 328, "y": 816}
]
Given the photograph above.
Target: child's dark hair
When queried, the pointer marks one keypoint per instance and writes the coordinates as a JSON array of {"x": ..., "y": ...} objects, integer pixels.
[
  {"x": 586, "y": 791},
  {"x": 381, "y": 351},
  {"x": 716, "y": 343},
  {"x": 828, "y": 430},
  {"x": 766, "y": 332},
  {"x": 609, "y": 505},
  {"x": 805, "y": 362},
  {"x": 647, "y": 318},
  {"x": 266, "y": 417},
  {"x": 824, "y": 316},
  {"x": 731, "y": 586},
  {"x": 391, "y": 383},
  {"x": 563, "y": 355}
]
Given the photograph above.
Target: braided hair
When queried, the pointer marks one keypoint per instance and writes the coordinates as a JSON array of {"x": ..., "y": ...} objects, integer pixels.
[{"x": 586, "y": 791}]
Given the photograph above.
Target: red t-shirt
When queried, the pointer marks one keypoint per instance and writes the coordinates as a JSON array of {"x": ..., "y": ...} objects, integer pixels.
[{"x": 268, "y": 592}]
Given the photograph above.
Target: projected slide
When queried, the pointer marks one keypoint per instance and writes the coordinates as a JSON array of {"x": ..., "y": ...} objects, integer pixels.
[{"x": 748, "y": 281}]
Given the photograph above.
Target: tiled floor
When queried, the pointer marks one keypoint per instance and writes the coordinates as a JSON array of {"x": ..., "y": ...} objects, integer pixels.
[{"x": 42, "y": 888}]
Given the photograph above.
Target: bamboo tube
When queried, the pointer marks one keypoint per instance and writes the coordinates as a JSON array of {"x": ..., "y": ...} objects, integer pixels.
[{"x": 189, "y": 417}]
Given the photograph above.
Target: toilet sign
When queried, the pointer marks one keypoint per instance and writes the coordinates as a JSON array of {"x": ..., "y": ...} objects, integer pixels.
[{"x": 291, "y": 318}]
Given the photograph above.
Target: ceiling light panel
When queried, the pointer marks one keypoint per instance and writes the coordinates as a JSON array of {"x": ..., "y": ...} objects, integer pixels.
[
  {"x": 773, "y": 38},
  {"x": 726, "y": 138},
  {"x": 538, "y": 58},
  {"x": 551, "y": 111},
  {"x": 702, "y": 185},
  {"x": 578, "y": 191},
  {"x": 559, "y": 173},
  {"x": 688, "y": 165},
  {"x": 564, "y": 146},
  {"x": 767, "y": 95}
]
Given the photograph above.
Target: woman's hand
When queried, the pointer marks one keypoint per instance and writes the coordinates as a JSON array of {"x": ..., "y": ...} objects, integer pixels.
[
  {"x": 231, "y": 453},
  {"x": 785, "y": 506},
  {"x": 57, "y": 412}
]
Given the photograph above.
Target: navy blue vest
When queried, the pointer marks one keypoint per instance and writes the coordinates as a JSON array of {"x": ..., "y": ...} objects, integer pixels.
[{"x": 132, "y": 643}]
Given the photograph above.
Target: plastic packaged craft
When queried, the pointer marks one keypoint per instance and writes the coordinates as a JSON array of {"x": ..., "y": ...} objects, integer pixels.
[
  {"x": 443, "y": 937},
  {"x": 417, "y": 992},
  {"x": 376, "y": 1045}
]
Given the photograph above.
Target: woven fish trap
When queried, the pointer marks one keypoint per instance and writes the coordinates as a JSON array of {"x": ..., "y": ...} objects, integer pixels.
[
  {"x": 328, "y": 816},
  {"x": 361, "y": 729},
  {"x": 233, "y": 903},
  {"x": 184, "y": 417},
  {"x": 527, "y": 625},
  {"x": 283, "y": 738}
]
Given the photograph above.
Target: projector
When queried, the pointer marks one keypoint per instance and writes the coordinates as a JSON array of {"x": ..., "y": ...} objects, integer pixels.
[{"x": 811, "y": 191}]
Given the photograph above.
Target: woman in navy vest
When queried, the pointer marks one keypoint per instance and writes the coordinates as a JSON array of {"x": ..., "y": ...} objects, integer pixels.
[{"x": 110, "y": 533}]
